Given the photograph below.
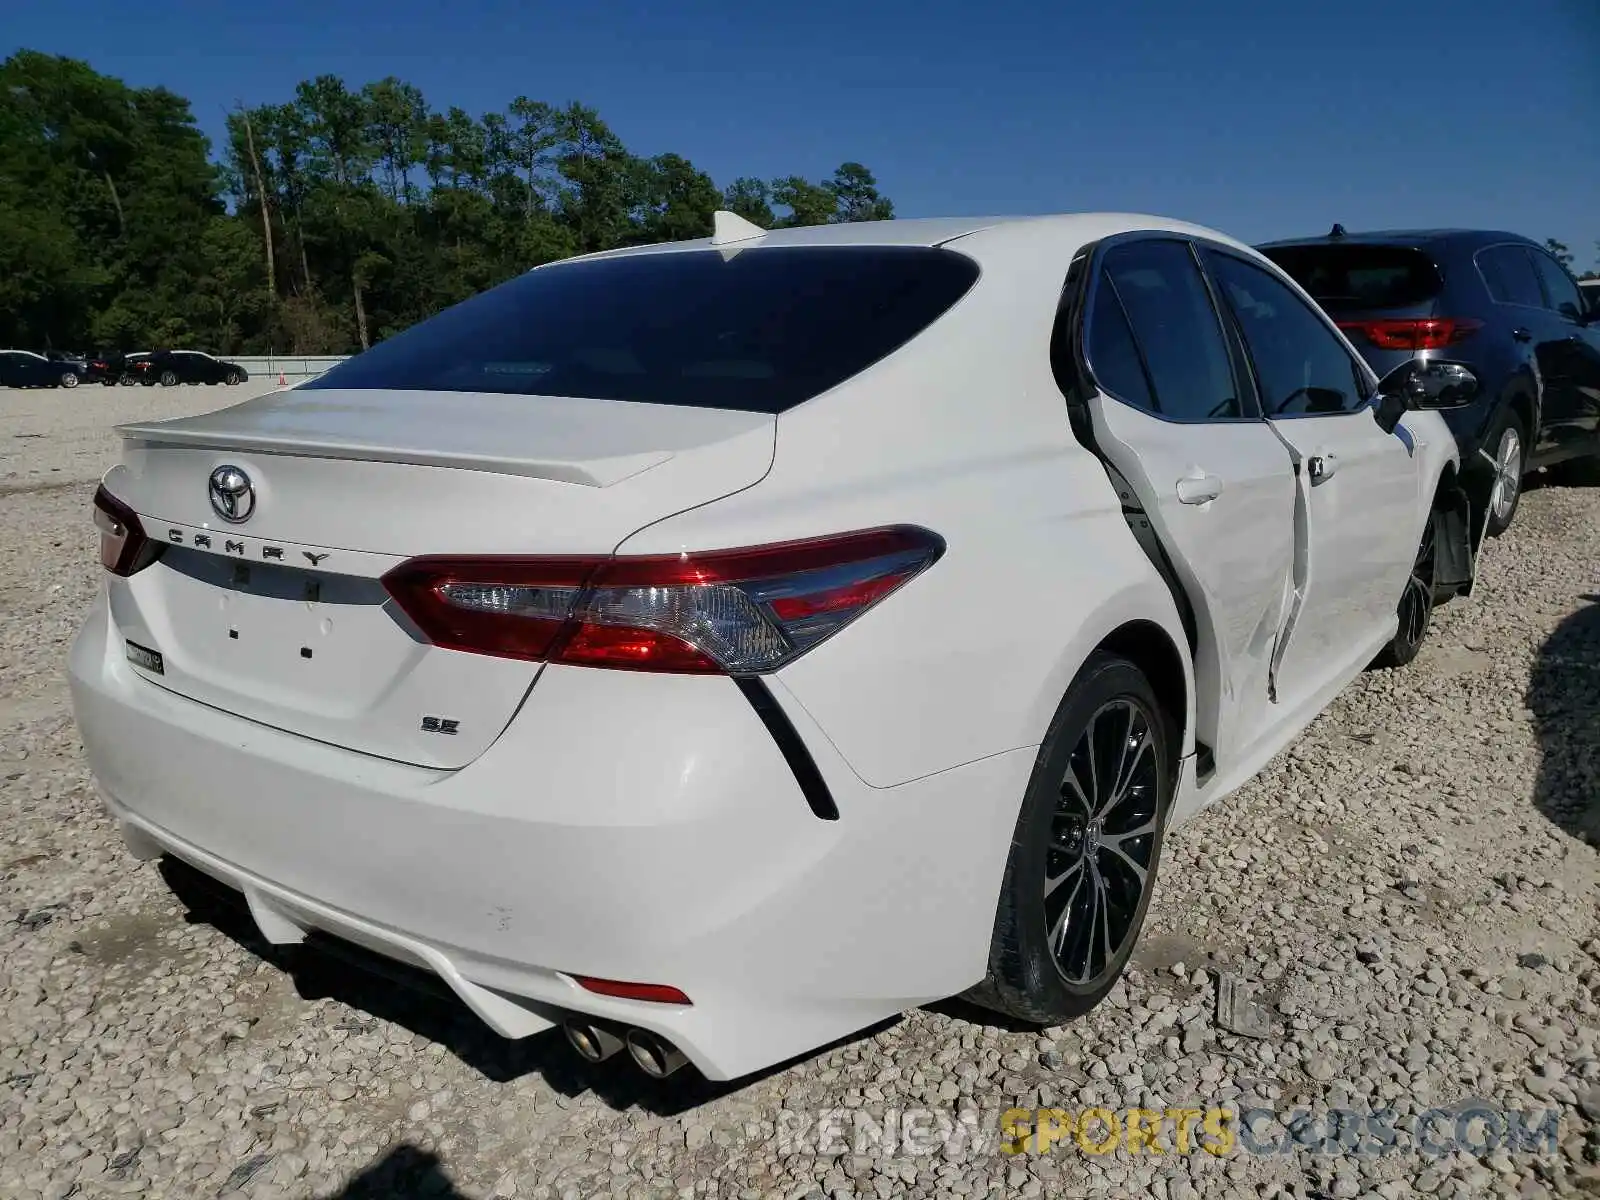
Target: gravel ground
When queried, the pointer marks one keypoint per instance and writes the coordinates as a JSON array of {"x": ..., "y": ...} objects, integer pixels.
[{"x": 1406, "y": 901}]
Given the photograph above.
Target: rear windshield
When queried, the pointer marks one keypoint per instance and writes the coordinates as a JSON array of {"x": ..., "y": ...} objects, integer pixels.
[
  {"x": 756, "y": 330},
  {"x": 1355, "y": 276}
]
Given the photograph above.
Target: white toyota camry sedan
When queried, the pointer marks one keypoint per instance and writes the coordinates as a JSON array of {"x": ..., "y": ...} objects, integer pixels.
[{"x": 714, "y": 648}]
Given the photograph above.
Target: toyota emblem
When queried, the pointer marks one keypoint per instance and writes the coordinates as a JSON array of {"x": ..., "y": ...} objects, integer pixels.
[{"x": 233, "y": 496}]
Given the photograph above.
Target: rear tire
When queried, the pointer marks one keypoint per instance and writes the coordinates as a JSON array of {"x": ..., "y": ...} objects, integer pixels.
[
  {"x": 1509, "y": 446},
  {"x": 169, "y": 379},
  {"x": 1416, "y": 601},
  {"x": 1083, "y": 858},
  {"x": 70, "y": 379}
]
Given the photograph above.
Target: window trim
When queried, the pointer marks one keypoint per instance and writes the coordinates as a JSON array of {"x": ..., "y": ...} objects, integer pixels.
[
  {"x": 1537, "y": 252},
  {"x": 1362, "y": 370},
  {"x": 1096, "y": 269},
  {"x": 1489, "y": 290}
]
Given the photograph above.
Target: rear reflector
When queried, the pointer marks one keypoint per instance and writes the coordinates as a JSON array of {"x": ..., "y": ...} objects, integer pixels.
[
  {"x": 1414, "y": 333},
  {"x": 657, "y": 993},
  {"x": 124, "y": 548},
  {"x": 719, "y": 612}
]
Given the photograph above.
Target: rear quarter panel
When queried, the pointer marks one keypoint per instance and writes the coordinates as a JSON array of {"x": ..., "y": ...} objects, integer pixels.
[{"x": 965, "y": 432}]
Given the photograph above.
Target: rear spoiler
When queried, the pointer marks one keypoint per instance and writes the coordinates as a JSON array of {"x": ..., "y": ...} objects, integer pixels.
[{"x": 592, "y": 443}]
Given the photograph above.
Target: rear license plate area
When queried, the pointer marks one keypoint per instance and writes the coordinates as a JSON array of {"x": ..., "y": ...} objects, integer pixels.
[{"x": 143, "y": 656}]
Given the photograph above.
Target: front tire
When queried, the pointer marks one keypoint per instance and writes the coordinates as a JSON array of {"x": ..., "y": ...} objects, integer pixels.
[
  {"x": 1508, "y": 445},
  {"x": 232, "y": 378},
  {"x": 1416, "y": 601},
  {"x": 1083, "y": 858},
  {"x": 169, "y": 378},
  {"x": 70, "y": 379}
]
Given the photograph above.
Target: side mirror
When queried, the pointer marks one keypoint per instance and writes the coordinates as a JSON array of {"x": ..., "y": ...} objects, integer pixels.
[
  {"x": 1420, "y": 384},
  {"x": 1391, "y": 406}
]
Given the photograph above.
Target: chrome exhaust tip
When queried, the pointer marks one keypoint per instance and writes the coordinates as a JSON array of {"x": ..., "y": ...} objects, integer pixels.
[
  {"x": 656, "y": 1056},
  {"x": 592, "y": 1042}
]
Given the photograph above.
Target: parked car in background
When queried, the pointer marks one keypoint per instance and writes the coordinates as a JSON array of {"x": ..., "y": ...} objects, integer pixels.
[
  {"x": 27, "y": 368},
  {"x": 929, "y": 569},
  {"x": 135, "y": 366},
  {"x": 1502, "y": 328},
  {"x": 169, "y": 367},
  {"x": 107, "y": 368}
]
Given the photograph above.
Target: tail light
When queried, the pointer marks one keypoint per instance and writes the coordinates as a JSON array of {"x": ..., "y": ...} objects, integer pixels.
[
  {"x": 1414, "y": 333},
  {"x": 733, "y": 612},
  {"x": 124, "y": 548}
]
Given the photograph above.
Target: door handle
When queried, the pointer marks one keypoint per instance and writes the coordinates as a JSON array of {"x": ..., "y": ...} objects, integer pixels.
[
  {"x": 1198, "y": 489},
  {"x": 1321, "y": 466},
  {"x": 1521, "y": 335}
]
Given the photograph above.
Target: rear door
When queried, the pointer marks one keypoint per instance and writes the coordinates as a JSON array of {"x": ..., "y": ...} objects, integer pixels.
[
  {"x": 1513, "y": 282},
  {"x": 1172, "y": 417},
  {"x": 1575, "y": 348},
  {"x": 1356, "y": 483}
]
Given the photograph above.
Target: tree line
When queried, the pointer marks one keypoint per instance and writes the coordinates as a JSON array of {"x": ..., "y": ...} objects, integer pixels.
[{"x": 326, "y": 222}]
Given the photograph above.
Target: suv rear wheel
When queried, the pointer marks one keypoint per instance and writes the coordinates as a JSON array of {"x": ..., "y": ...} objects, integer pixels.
[{"x": 1084, "y": 854}]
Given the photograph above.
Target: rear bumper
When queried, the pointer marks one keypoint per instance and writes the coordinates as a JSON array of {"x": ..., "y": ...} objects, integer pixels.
[{"x": 632, "y": 827}]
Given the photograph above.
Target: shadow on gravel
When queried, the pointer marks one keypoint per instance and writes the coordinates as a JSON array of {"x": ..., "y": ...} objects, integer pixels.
[
  {"x": 405, "y": 1173},
  {"x": 1564, "y": 697},
  {"x": 321, "y": 968}
]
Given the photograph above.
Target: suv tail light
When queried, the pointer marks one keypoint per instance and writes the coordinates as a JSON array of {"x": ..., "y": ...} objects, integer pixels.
[
  {"x": 124, "y": 548},
  {"x": 736, "y": 612},
  {"x": 1414, "y": 333}
]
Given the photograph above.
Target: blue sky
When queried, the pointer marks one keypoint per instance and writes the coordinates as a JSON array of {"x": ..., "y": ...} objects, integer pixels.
[{"x": 1264, "y": 118}]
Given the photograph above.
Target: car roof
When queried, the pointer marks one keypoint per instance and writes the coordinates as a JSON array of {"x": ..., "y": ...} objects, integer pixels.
[
  {"x": 1062, "y": 228},
  {"x": 1404, "y": 237}
]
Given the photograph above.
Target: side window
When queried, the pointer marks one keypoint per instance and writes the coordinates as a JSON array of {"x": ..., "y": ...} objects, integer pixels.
[
  {"x": 1302, "y": 367},
  {"x": 1510, "y": 276},
  {"x": 1174, "y": 330},
  {"x": 1560, "y": 292},
  {"x": 1112, "y": 352}
]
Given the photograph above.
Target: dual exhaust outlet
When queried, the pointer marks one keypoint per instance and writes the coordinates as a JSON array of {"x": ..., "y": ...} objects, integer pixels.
[{"x": 596, "y": 1042}]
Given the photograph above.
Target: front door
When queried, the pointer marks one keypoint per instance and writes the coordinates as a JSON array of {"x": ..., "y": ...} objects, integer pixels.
[
  {"x": 1357, "y": 489},
  {"x": 1214, "y": 481}
]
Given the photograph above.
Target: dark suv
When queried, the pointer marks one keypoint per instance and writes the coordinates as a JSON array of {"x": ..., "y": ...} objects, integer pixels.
[{"x": 1504, "y": 330}]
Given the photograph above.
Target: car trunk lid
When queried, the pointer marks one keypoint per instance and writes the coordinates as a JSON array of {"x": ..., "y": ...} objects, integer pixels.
[{"x": 281, "y": 616}]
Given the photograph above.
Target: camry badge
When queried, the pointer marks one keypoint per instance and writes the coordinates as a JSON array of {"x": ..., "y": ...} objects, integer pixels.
[{"x": 233, "y": 496}]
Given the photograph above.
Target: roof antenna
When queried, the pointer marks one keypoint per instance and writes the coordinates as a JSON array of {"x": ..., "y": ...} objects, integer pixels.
[
  {"x": 731, "y": 227},
  {"x": 1337, "y": 231}
]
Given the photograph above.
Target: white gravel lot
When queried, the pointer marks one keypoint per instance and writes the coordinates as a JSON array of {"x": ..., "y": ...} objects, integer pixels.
[{"x": 1408, "y": 894}]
